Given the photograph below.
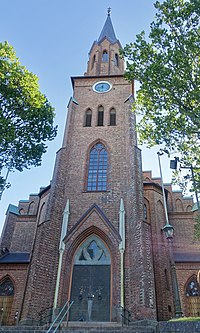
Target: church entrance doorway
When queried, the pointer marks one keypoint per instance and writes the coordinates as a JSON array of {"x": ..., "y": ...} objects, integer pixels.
[
  {"x": 193, "y": 297},
  {"x": 6, "y": 300},
  {"x": 90, "y": 288}
]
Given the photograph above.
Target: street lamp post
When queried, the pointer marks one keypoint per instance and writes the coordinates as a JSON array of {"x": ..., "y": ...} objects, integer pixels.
[{"x": 168, "y": 229}]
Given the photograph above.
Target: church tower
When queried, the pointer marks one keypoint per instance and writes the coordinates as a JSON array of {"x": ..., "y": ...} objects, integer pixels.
[{"x": 91, "y": 245}]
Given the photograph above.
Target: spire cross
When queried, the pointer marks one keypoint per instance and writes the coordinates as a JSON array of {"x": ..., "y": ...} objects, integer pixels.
[{"x": 109, "y": 10}]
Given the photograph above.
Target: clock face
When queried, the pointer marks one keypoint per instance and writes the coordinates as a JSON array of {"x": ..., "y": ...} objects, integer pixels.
[{"x": 102, "y": 87}]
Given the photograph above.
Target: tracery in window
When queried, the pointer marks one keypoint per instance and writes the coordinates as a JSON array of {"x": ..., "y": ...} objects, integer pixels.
[
  {"x": 88, "y": 118},
  {"x": 100, "y": 116},
  {"x": 6, "y": 288},
  {"x": 92, "y": 252},
  {"x": 112, "y": 117},
  {"x": 105, "y": 56},
  {"x": 193, "y": 287},
  {"x": 97, "y": 171}
]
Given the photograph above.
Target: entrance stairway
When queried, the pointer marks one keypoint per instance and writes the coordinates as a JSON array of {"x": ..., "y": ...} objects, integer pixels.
[{"x": 144, "y": 326}]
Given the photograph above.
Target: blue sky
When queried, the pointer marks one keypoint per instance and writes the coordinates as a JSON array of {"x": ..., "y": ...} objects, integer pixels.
[{"x": 52, "y": 38}]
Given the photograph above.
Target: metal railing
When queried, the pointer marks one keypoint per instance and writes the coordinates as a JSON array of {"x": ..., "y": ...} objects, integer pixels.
[
  {"x": 126, "y": 316},
  {"x": 60, "y": 317}
]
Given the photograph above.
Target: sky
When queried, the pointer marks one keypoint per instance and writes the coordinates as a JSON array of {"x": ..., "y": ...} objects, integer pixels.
[{"x": 52, "y": 39}]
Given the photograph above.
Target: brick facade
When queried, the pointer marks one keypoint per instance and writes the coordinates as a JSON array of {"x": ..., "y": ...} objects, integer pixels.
[{"x": 35, "y": 226}]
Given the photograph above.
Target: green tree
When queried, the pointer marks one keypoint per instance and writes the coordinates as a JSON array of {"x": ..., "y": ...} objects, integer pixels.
[
  {"x": 167, "y": 66},
  {"x": 26, "y": 116}
]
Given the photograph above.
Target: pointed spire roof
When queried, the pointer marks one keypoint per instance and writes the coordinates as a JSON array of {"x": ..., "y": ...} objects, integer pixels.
[{"x": 108, "y": 30}]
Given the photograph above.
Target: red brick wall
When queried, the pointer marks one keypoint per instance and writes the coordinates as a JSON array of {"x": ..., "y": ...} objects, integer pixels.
[
  {"x": 18, "y": 274},
  {"x": 124, "y": 181}
]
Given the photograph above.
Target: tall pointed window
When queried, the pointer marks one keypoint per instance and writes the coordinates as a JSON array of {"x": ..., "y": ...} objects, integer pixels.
[
  {"x": 105, "y": 56},
  {"x": 88, "y": 118},
  {"x": 112, "y": 117},
  {"x": 100, "y": 116},
  {"x": 93, "y": 61},
  {"x": 97, "y": 171},
  {"x": 116, "y": 60}
]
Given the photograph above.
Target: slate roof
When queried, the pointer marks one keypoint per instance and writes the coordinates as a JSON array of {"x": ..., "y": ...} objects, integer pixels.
[
  {"x": 12, "y": 209},
  {"x": 15, "y": 258},
  {"x": 108, "y": 31}
]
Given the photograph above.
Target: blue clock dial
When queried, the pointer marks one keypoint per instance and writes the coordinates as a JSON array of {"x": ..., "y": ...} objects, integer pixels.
[{"x": 102, "y": 87}]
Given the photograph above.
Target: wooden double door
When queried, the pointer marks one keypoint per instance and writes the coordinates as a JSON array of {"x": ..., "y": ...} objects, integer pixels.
[
  {"x": 90, "y": 287},
  {"x": 90, "y": 293}
]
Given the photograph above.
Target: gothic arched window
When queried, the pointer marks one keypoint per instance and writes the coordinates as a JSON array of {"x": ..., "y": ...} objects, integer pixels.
[
  {"x": 6, "y": 288},
  {"x": 88, "y": 118},
  {"x": 105, "y": 56},
  {"x": 100, "y": 116},
  {"x": 6, "y": 299},
  {"x": 93, "y": 61},
  {"x": 112, "y": 117},
  {"x": 116, "y": 60},
  {"x": 193, "y": 287},
  {"x": 97, "y": 171}
]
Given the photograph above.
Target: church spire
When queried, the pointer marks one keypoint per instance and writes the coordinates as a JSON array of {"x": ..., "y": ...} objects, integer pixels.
[
  {"x": 104, "y": 56},
  {"x": 108, "y": 30}
]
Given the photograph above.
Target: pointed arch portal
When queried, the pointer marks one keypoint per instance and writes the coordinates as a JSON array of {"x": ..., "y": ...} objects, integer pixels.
[
  {"x": 6, "y": 299},
  {"x": 193, "y": 297},
  {"x": 90, "y": 289}
]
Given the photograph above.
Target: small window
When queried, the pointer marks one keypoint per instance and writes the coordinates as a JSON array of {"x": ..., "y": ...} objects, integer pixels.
[
  {"x": 116, "y": 60},
  {"x": 93, "y": 61},
  {"x": 112, "y": 117},
  {"x": 100, "y": 116},
  {"x": 105, "y": 56},
  {"x": 145, "y": 212},
  {"x": 88, "y": 118}
]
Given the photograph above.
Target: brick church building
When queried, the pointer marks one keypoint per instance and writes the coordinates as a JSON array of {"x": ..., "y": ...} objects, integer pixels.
[{"x": 95, "y": 234}]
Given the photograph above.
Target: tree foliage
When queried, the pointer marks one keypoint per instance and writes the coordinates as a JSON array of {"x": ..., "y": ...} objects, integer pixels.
[
  {"x": 167, "y": 66},
  {"x": 26, "y": 116}
]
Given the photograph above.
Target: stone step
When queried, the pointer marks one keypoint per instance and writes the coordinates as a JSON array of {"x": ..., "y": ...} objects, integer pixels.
[
  {"x": 87, "y": 327},
  {"x": 26, "y": 329}
]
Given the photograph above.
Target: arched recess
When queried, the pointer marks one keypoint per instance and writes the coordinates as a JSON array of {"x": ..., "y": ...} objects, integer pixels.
[
  {"x": 31, "y": 208},
  {"x": 192, "y": 293},
  {"x": 22, "y": 211},
  {"x": 179, "y": 205},
  {"x": 147, "y": 179},
  {"x": 189, "y": 208},
  {"x": 6, "y": 299},
  {"x": 90, "y": 285},
  {"x": 42, "y": 213}
]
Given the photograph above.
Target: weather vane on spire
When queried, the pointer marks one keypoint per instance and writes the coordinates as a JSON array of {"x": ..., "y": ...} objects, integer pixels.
[{"x": 109, "y": 10}]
